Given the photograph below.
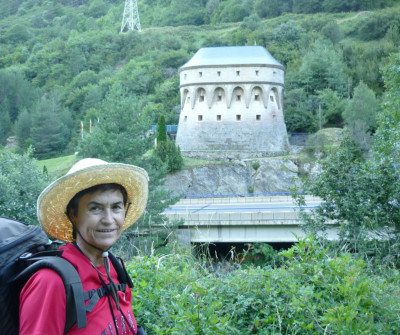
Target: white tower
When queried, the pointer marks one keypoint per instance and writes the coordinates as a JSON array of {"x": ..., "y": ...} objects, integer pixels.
[
  {"x": 232, "y": 100},
  {"x": 131, "y": 16}
]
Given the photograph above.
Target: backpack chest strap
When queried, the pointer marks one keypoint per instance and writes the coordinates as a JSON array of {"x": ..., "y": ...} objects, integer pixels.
[{"x": 94, "y": 295}]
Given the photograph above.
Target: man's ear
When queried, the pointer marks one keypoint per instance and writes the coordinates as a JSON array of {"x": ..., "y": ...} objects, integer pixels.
[{"x": 71, "y": 216}]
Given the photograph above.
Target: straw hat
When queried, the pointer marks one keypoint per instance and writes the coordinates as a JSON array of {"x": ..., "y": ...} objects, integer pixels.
[{"x": 52, "y": 202}]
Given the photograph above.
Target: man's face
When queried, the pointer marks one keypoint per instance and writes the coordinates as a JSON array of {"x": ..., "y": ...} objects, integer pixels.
[{"x": 100, "y": 218}]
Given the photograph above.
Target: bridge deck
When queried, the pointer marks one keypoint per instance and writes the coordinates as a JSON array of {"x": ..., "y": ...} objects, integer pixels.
[{"x": 241, "y": 219}]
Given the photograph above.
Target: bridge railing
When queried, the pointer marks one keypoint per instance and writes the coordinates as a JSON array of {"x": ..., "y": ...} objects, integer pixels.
[{"x": 242, "y": 198}]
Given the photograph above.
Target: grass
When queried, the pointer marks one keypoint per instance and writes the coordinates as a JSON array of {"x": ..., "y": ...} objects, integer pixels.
[{"x": 59, "y": 166}]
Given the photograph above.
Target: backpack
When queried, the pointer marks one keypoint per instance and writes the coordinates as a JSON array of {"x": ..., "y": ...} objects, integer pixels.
[{"x": 24, "y": 249}]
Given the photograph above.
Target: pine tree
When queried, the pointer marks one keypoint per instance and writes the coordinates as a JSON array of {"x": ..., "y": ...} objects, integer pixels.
[
  {"x": 161, "y": 130},
  {"x": 51, "y": 124}
]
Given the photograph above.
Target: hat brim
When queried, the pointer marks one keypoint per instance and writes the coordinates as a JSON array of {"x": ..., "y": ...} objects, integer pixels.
[{"x": 52, "y": 202}]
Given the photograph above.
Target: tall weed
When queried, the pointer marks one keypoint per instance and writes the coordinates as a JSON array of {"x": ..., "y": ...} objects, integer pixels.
[{"x": 311, "y": 293}]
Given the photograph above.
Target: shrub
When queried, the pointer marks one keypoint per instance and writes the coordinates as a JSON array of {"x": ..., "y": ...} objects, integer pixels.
[
  {"x": 170, "y": 154},
  {"x": 314, "y": 292},
  {"x": 20, "y": 183}
]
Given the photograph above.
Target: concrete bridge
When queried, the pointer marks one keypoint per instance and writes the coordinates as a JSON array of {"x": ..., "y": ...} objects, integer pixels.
[{"x": 272, "y": 219}]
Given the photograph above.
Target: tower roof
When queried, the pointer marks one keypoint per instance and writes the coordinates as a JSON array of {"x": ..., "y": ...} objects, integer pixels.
[{"x": 237, "y": 55}]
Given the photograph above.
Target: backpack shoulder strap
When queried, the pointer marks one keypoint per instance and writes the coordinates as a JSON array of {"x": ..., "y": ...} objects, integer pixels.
[
  {"x": 94, "y": 295},
  {"x": 75, "y": 304},
  {"x": 119, "y": 266}
]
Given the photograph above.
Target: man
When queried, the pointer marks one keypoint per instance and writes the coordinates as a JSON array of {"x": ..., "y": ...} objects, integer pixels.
[{"x": 89, "y": 208}]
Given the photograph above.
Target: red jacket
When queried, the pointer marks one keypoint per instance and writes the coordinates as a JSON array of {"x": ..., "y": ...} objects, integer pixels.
[{"x": 42, "y": 301}]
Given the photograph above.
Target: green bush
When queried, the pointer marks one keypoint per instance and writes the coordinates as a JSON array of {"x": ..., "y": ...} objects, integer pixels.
[
  {"x": 170, "y": 154},
  {"x": 312, "y": 293},
  {"x": 20, "y": 185}
]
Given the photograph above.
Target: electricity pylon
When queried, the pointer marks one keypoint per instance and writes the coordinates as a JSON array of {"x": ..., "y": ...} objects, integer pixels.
[{"x": 131, "y": 16}]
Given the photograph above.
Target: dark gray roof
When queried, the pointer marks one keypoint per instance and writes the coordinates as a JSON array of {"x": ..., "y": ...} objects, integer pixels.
[{"x": 239, "y": 55}]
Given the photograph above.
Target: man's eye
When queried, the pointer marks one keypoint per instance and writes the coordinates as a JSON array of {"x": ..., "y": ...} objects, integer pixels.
[
  {"x": 117, "y": 207},
  {"x": 94, "y": 209}
]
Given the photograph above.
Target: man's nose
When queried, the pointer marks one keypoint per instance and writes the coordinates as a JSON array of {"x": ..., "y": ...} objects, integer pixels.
[{"x": 108, "y": 216}]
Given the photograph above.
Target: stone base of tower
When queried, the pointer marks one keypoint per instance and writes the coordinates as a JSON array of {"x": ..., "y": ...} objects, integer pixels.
[{"x": 228, "y": 155}]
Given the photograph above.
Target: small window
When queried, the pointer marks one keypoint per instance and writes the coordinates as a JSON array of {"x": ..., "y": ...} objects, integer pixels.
[
  {"x": 200, "y": 117},
  {"x": 200, "y": 74},
  {"x": 274, "y": 73},
  {"x": 185, "y": 118},
  {"x": 188, "y": 99},
  {"x": 258, "y": 117},
  {"x": 201, "y": 98},
  {"x": 219, "y": 73},
  {"x": 256, "y": 72},
  {"x": 219, "y": 98},
  {"x": 238, "y": 97},
  {"x": 238, "y": 73},
  {"x": 238, "y": 117},
  {"x": 218, "y": 117},
  {"x": 271, "y": 98},
  {"x": 185, "y": 76},
  {"x": 257, "y": 97}
]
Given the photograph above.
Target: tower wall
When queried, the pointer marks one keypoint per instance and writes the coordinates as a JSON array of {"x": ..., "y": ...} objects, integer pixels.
[{"x": 232, "y": 107}]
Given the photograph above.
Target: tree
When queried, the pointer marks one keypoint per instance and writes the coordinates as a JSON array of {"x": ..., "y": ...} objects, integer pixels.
[
  {"x": 211, "y": 7},
  {"x": 5, "y": 126},
  {"x": 337, "y": 6},
  {"x": 363, "y": 196},
  {"x": 23, "y": 128},
  {"x": 332, "y": 32},
  {"x": 18, "y": 34},
  {"x": 332, "y": 107},
  {"x": 121, "y": 135},
  {"x": 299, "y": 116},
  {"x": 385, "y": 162},
  {"x": 306, "y": 6},
  {"x": 161, "y": 130},
  {"x": 252, "y": 23},
  {"x": 289, "y": 33},
  {"x": 170, "y": 154},
  {"x": 97, "y": 8},
  {"x": 267, "y": 8},
  {"x": 16, "y": 93},
  {"x": 360, "y": 113},
  {"x": 175, "y": 159},
  {"x": 166, "y": 149},
  {"x": 322, "y": 68},
  {"x": 21, "y": 183},
  {"x": 344, "y": 189},
  {"x": 51, "y": 127}
]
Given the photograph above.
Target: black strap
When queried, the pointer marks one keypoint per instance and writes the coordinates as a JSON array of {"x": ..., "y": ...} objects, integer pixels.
[
  {"x": 94, "y": 295},
  {"x": 118, "y": 263},
  {"x": 119, "y": 266},
  {"x": 75, "y": 304}
]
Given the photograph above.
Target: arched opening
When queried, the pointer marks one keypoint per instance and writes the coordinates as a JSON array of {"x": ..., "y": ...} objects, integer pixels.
[
  {"x": 238, "y": 95},
  {"x": 185, "y": 98},
  {"x": 274, "y": 98},
  {"x": 257, "y": 95},
  {"x": 273, "y": 102},
  {"x": 219, "y": 96},
  {"x": 201, "y": 95}
]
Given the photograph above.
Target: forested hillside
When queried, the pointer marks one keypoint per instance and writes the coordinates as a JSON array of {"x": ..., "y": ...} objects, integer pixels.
[{"x": 62, "y": 62}]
